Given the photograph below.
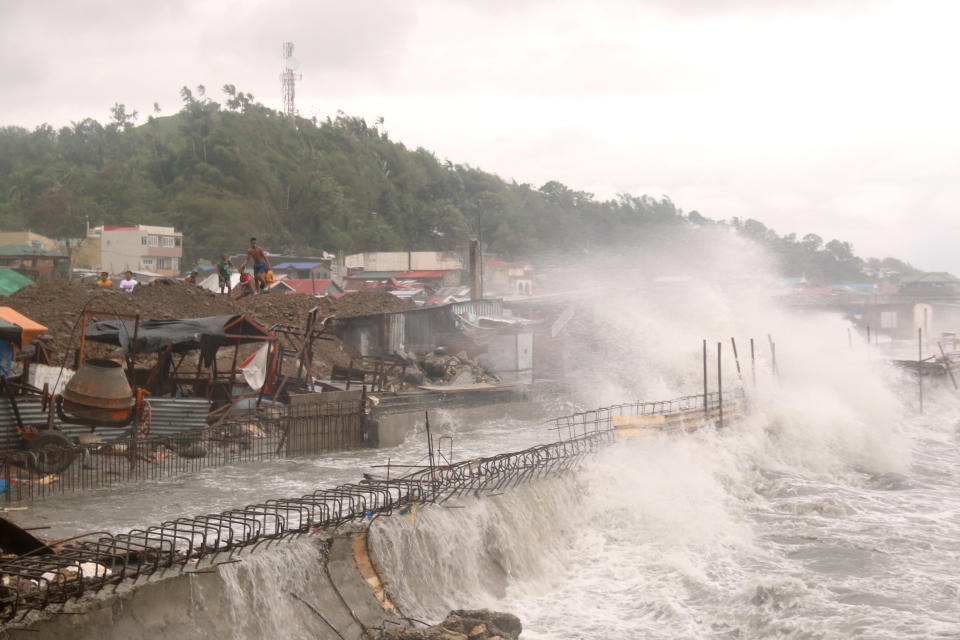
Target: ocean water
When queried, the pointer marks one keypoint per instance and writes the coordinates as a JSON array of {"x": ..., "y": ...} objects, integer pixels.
[
  {"x": 832, "y": 510},
  {"x": 790, "y": 524}
]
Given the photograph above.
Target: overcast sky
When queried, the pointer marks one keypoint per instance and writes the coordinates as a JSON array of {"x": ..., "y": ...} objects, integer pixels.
[{"x": 837, "y": 117}]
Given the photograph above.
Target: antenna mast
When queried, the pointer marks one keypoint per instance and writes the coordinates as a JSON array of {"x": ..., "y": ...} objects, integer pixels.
[{"x": 288, "y": 78}]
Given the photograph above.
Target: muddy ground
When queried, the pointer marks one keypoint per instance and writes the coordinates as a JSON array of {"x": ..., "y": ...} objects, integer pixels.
[{"x": 59, "y": 306}]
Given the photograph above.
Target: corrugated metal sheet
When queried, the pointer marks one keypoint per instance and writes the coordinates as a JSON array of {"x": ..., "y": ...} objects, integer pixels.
[
  {"x": 396, "y": 333},
  {"x": 169, "y": 416},
  {"x": 416, "y": 330},
  {"x": 12, "y": 281},
  {"x": 479, "y": 307}
]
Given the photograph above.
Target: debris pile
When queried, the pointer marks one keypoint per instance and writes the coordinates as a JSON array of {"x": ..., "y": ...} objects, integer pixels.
[
  {"x": 440, "y": 368},
  {"x": 481, "y": 624},
  {"x": 59, "y": 307}
]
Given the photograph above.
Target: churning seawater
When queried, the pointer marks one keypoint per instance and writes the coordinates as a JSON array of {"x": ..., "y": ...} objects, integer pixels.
[
  {"x": 776, "y": 527},
  {"x": 823, "y": 514}
]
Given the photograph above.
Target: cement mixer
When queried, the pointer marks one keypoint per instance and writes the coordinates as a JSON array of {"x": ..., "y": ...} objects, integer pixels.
[{"x": 98, "y": 395}]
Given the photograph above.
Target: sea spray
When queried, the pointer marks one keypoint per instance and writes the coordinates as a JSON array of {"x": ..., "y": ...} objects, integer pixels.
[
  {"x": 812, "y": 523},
  {"x": 256, "y": 595},
  {"x": 439, "y": 557}
]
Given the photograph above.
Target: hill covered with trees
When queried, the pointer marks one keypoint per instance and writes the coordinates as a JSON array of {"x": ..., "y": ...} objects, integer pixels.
[{"x": 222, "y": 172}]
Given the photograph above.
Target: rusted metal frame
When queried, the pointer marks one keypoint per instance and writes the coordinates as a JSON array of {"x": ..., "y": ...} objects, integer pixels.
[
  {"x": 240, "y": 336},
  {"x": 179, "y": 555},
  {"x": 225, "y": 540},
  {"x": 130, "y": 551},
  {"x": 341, "y": 504},
  {"x": 352, "y": 498},
  {"x": 187, "y": 531},
  {"x": 264, "y": 515},
  {"x": 335, "y": 512},
  {"x": 375, "y": 497},
  {"x": 246, "y": 521},
  {"x": 122, "y": 549},
  {"x": 244, "y": 319},
  {"x": 306, "y": 511},
  {"x": 161, "y": 362},
  {"x": 46, "y": 590}
]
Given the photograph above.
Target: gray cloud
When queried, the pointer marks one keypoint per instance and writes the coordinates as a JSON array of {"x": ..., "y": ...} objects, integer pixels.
[{"x": 811, "y": 115}]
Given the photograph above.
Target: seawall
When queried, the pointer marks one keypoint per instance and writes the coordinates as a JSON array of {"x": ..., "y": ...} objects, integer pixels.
[{"x": 314, "y": 587}]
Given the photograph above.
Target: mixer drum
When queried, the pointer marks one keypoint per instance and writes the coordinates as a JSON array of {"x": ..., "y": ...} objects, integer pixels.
[{"x": 99, "y": 391}]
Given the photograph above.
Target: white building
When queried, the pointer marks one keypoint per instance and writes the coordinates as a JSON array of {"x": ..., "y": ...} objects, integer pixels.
[
  {"x": 405, "y": 260},
  {"x": 139, "y": 248}
]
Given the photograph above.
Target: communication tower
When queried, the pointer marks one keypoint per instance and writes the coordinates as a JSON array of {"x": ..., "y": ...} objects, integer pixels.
[{"x": 288, "y": 78}]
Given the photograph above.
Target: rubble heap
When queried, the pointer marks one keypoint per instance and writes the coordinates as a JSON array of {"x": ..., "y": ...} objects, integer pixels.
[
  {"x": 481, "y": 624},
  {"x": 440, "y": 368},
  {"x": 59, "y": 306}
]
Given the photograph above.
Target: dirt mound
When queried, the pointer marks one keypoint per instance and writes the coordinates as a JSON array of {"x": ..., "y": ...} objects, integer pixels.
[
  {"x": 282, "y": 308},
  {"x": 59, "y": 306},
  {"x": 363, "y": 303}
]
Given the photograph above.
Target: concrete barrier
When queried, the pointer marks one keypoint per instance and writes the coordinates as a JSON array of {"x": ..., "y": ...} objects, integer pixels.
[{"x": 316, "y": 587}]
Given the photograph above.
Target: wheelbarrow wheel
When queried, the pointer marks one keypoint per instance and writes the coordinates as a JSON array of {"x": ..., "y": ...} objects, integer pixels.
[{"x": 52, "y": 452}]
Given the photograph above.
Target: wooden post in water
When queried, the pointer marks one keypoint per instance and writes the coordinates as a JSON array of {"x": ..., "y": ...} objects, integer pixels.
[
  {"x": 946, "y": 363},
  {"x": 705, "y": 413},
  {"x": 753, "y": 363},
  {"x": 736, "y": 358},
  {"x": 920, "y": 366},
  {"x": 426, "y": 415},
  {"x": 720, "y": 383},
  {"x": 773, "y": 355}
]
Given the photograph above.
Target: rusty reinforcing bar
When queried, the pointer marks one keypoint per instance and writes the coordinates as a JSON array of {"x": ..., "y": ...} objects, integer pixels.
[{"x": 86, "y": 564}]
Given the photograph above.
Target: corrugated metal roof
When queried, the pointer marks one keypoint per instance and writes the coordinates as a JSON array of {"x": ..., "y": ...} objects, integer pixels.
[
  {"x": 298, "y": 265},
  {"x": 931, "y": 277},
  {"x": 373, "y": 275},
  {"x": 27, "y": 250},
  {"x": 11, "y": 281},
  {"x": 425, "y": 273},
  {"x": 169, "y": 416}
]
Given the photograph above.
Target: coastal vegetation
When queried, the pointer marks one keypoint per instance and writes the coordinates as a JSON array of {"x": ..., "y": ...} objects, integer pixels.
[{"x": 224, "y": 171}]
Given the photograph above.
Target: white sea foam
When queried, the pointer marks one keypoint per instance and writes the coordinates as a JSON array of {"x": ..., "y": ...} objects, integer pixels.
[{"x": 831, "y": 511}]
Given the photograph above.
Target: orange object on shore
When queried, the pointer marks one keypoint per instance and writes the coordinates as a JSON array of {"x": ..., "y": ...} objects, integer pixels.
[{"x": 18, "y": 328}]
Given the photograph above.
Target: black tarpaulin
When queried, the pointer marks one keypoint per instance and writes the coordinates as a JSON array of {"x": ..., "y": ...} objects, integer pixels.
[{"x": 207, "y": 334}]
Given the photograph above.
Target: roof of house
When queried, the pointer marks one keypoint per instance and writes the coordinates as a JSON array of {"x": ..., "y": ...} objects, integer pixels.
[
  {"x": 425, "y": 273},
  {"x": 304, "y": 285},
  {"x": 931, "y": 277},
  {"x": 373, "y": 275},
  {"x": 355, "y": 284},
  {"x": 27, "y": 250},
  {"x": 12, "y": 281},
  {"x": 298, "y": 265}
]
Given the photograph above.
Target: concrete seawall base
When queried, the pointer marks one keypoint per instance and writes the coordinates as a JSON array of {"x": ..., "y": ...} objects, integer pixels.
[{"x": 310, "y": 588}]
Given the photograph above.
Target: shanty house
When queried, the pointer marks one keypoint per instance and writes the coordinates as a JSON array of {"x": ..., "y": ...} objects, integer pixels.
[{"x": 35, "y": 263}]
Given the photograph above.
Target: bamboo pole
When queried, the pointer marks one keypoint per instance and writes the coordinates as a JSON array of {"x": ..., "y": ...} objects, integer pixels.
[
  {"x": 736, "y": 358},
  {"x": 720, "y": 382},
  {"x": 705, "y": 413}
]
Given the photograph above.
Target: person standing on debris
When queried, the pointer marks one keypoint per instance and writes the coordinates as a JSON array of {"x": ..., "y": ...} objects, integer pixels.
[
  {"x": 104, "y": 280},
  {"x": 223, "y": 273},
  {"x": 260, "y": 263},
  {"x": 128, "y": 282}
]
